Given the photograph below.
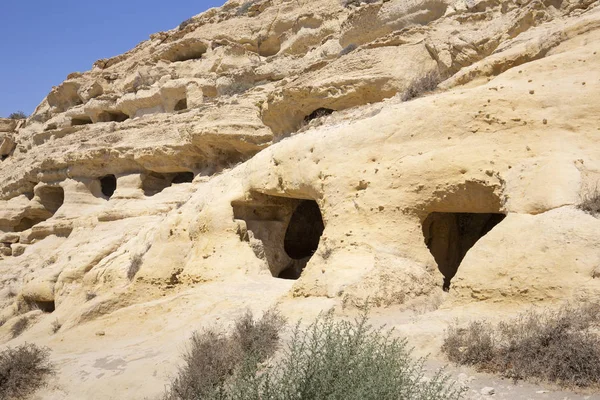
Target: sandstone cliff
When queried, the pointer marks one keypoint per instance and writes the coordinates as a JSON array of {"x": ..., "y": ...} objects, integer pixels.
[{"x": 362, "y": 149}]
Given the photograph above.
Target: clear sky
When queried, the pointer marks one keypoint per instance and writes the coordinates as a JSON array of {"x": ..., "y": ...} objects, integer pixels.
[{"x": 44, "y": 41}]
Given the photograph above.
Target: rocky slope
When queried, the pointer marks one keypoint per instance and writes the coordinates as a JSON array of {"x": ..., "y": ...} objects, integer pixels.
[{"x": 171, "y": 187}]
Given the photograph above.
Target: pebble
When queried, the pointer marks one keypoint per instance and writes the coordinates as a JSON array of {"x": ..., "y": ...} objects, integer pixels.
[{"x": 488, "y": 391}]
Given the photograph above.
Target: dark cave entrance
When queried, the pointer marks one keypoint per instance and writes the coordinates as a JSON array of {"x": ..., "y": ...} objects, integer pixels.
[
  {"x": 108, "y": 185},
  {"x": 304, "y": 231},
  {"x": 183, "y": 177},
  {"x": 155, "y": 182},
  {"x": 112, "y": 116},
  {"x": 27, "y": 223},
  {"x": 449, "y": 236},
  {"x": 318, "y": 113},
  {"x": 51, "y": 197},
  {"x": 81, "y": 120},
  {"x": 181, "y": 105},
  {"x": 283, "y": 231},
  {"x": 45, "y": 306}
]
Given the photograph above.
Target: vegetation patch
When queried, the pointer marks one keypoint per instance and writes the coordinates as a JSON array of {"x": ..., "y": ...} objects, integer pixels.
[
  {"x": 561, "y": 346},
  {"x": 19, "y": 327},
  {"x": 426, "y": 83},
  {"x": 326, "y": 360},
  {"x": 213, "y": 357},
  {"x": 590, "y": 201},
  {"x": 245, "y": 8},
  {"x": 23, "y": 370},
  {"x": 185, "y": 23},
  {"x": 18, "y": 115}
]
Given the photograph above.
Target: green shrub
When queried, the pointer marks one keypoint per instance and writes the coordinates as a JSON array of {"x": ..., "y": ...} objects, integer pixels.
[
  {"x": 17, "y": 115},
  {"x": 561, "y": 346},
  {"x": 341, "y": 360},
  {"x": 23, "y": 370},
  {"x": 327, "y": 360}
]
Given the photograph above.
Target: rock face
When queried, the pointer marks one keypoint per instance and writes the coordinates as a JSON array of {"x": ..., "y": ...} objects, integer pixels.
[{"x": 292, "y": 153}]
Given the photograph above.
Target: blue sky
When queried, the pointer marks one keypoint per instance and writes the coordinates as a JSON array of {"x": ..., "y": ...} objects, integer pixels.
[{"x": 44, "y": 41}]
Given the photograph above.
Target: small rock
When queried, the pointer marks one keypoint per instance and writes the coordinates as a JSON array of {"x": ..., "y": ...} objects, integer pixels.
[
  {"x": 488, "y": 391},
  {"x": 100, "y": 333},
  {"x": 545, "y": 121},
  {"x": 532, "y": 92}
]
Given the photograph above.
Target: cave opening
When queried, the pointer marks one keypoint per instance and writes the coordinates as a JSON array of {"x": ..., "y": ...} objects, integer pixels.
[
  {"x": 304, "y": 230},
  {"x": 181, "y": 105},
  {"x": 51, "y": 197},
  {"x": 318, "y": 113},
  {"x": 45, "y": 306},
  {"x": 285, "y": 232},
  {"x": 155, "y": 182},
  {"x": 189, "y": 53},
  {"x": 183, "y": 177},
  {"x": 108, "y": 185},
  {"x": 27, "y": 223},
  {"x": 450, "y": 235},
  {"x": 81, "y": 120},
  {"x": 112, "y": 116}
]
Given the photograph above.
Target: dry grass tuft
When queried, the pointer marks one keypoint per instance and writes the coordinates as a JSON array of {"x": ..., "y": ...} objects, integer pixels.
[
  {"x": 19, "y": 327},
  {"x": 56, "y": 325},
  {"x": 590, "y": 201},
  {"x": 426, "y": 83},
  {"x": 213, "y": 357},
  {"x": 23, "y": 370},
  {"x": 561, "y": 346},
  {"x": 18, "y": 115}
]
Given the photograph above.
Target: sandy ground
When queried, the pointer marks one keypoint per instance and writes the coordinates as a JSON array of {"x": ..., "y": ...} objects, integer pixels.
[{"x": 131, "y": 353}]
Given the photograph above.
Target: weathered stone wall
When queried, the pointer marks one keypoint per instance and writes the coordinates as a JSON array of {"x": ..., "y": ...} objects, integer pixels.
[{"x": 161, "y": 184}]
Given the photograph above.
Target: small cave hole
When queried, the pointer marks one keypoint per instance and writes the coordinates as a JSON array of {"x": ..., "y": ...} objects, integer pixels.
[
  {"x": 318, "y": 113},
  {"x": 76, "y": 121},
  {"x": 181, "y": 105},
  {"x": 45, "y": 306},
  {"x": 154, "y": 182},
  {"x": 189, "y": 53},
  {"x": 183, "y": 177},
  {"x": 108, "y": 185},
  {"x": 302, "y": 237},
  {"x": 449, "y": 236},
  {"x": 285, "y": 232},
  {"x": 27, "y": 223},
  {"x": 51, "y": 197},
  {"x": 304, "y": 231},
  {"x": 113, "y": 116}
]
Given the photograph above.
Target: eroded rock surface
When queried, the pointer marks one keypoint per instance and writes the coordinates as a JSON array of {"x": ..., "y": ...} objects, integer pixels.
[{"x": 185, "y": 179}]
